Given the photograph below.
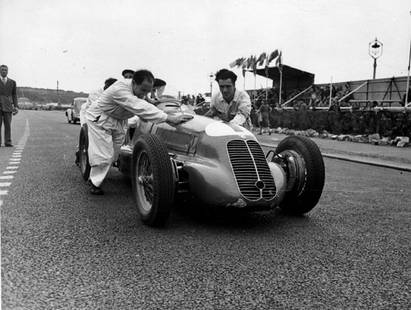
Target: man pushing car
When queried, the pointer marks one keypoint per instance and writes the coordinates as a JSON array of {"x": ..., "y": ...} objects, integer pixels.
[
  {"x": 230, "y": 104},
  {"x": 107, "y": 121}
]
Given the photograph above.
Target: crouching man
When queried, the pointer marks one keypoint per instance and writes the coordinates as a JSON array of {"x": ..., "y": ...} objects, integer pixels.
[
  {"x": 107, "y": 121},
  {"x": 230, "y": 105}
]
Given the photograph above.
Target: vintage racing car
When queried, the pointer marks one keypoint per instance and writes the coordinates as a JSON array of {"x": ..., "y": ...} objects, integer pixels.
[{"x": 218, "y": 163}]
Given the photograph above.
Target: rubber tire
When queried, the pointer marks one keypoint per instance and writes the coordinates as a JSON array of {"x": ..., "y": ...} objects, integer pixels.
[
  {"x": 83, "y": 143},
  {"x": 298, "y": 204},
  {"x": 163, "y": 180}
]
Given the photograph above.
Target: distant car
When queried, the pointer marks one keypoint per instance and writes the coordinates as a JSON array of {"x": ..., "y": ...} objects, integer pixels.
[
  {"x": 217, "y": 163},
  {"x": 73, "y": 113}
]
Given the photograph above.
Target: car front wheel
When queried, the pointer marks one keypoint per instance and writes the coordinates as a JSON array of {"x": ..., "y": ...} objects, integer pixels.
[
  {"x": 304, "y": 166},
  {"x": 152, "y": 180}
]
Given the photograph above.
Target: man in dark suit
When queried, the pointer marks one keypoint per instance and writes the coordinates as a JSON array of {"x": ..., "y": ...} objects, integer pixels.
[{"x": 8, "y": 103}]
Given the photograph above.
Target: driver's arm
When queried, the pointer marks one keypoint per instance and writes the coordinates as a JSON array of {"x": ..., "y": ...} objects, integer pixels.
[
  {"x": 244, "y": 109},
  {"x": 213, "y": 111},
  {"x": 140, "y": 107}
]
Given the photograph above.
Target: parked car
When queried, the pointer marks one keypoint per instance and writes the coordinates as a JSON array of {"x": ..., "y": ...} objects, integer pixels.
[
  {"x": 216, "y": 163},
  {"x": 73, "y": 113}
]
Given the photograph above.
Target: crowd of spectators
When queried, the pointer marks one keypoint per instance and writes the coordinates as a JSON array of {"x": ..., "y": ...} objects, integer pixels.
[
  {"x": 312, "y": 110},
  {"x": 194, "y": 100},
  {"x": 317, "y": 96}
]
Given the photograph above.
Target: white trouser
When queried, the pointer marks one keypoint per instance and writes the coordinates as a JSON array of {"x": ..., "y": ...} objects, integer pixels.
[{"x": 105, "y": 137}]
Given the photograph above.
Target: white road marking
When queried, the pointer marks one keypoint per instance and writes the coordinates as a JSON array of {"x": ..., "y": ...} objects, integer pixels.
[{"x": 14, "y": 162}]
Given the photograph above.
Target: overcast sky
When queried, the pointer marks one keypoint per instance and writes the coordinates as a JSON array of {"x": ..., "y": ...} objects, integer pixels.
[{"x": 80, "y": 43}]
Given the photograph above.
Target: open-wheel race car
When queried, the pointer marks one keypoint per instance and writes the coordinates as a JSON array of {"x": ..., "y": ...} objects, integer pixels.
[{"x": 220, "y": 164}]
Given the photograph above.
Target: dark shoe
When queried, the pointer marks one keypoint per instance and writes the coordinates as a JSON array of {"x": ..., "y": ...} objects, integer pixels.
[
  {"x": 9, "y": 145},
  {"x": 94, "y": 190}
]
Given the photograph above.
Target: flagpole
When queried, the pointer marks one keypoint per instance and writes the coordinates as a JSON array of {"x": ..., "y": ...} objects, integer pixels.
[
  {"x": 281, "y": 85},
  {"x": 255, "y": 81},
  {"x": 408, "y": 78}
]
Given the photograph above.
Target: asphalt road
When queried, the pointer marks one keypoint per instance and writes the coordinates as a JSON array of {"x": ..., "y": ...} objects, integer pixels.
[{"x": 65, "y": 249}]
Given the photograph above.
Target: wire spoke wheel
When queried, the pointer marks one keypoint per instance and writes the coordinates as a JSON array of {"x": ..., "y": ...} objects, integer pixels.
[
  {"x": 144, "y": 184},
  {"x": 153, "y": 180}
]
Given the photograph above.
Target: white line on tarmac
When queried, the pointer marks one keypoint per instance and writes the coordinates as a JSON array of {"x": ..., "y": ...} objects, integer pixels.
[{"x": 14, "y": 162}]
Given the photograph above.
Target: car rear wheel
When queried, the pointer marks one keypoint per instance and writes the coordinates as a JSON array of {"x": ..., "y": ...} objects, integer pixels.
[
  {"x": 304, "y": 166},
  {"x": 152, "y": 180},
  {"x": 83, "y": 153}
]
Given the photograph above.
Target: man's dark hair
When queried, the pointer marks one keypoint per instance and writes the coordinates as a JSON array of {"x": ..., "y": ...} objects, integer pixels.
[
  {"x": 125, "y": 71},
  {"x": 225, "y": 74},
  {"x": 159, "y": 82},
  {"x": 141, "y": 75},
  {"x": 109, "y": 82},
  {"x": 4, "y": 66}
]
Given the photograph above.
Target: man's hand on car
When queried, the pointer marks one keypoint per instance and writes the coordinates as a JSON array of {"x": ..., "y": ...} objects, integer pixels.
[{"x": 178, "y": 119}]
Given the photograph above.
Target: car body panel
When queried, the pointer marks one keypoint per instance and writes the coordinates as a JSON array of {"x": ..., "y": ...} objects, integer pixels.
[{"x": 223, "y": 164}]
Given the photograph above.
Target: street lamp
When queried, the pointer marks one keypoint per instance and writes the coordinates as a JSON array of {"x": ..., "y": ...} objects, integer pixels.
[{"x": 375, "y": 51}]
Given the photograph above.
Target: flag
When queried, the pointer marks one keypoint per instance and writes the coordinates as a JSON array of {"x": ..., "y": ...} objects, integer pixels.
[
  {"x": 237, "y": 63},
  {"x": 249, "y": 60},
  {"x": 272, "y": 56},
  {"x": 244, "y": 66},
  {"x": 252, "y": 63},
  {"x": 261, "y": 59},
  {"x": 278, "y": 62}
]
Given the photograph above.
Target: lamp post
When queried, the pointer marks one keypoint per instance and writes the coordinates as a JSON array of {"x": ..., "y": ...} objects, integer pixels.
[
  {"x": 375, "y": 51},
  {"x": 58, "y": 97}
]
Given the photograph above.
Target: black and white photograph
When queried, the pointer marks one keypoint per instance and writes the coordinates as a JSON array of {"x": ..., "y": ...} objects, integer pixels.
[{"x": 205, "y": 154}]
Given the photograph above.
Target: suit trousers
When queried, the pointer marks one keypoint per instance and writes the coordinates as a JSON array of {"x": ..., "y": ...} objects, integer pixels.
[{"x": 6, "y": 118}]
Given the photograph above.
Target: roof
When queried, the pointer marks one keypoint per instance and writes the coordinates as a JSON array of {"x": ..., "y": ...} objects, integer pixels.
[{"x": 292, "y": 77}]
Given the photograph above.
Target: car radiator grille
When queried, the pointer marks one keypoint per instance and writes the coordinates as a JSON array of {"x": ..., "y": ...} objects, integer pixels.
[{"x": 251, "y": 170}]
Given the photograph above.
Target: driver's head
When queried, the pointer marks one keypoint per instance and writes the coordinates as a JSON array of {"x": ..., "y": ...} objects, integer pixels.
[
  {"x": 142, "y": 83},
  {"x": 226, "y": 81},
  {"x": 159, "y": 87},
  {"x": 127, "y": 73}
]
